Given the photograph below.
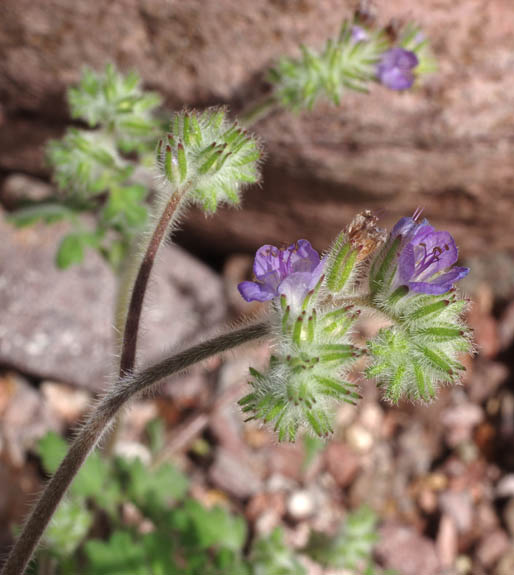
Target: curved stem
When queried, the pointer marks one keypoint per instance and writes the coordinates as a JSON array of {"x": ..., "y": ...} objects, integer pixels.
[
  {"x": 128, "y": 350},
  {"x": 99, "y": 421},
  {"x": 258, "y": 110}
]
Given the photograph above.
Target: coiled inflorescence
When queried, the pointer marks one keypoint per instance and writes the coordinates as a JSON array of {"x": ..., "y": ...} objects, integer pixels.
[
  {"x": 358, "y": 56},
  {"x": 407, "y": 277},
  {"x": 210, "y": 155}
]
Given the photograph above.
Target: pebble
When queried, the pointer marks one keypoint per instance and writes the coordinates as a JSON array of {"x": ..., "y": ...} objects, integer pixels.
[
  {"x": 300, "y": 505},
  {"x": 505, "y": 487}
]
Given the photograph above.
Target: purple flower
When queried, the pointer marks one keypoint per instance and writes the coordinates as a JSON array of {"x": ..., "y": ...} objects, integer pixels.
[
  {"x": 359, "y": 35},
  {"x": 426, "y": 258},
  {"x": 291, "y": 271},
  {"x": 395, "y": 69}
]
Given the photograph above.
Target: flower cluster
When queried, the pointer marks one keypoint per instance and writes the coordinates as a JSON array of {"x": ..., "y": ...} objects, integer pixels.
[
  {"x": 315, "y": 301},
  {"x": 211, "y": 156},
  {"x": 359, "y": 55}
]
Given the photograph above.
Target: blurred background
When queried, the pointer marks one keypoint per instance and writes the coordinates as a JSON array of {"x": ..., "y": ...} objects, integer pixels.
[{"x": 440, "y": 478}]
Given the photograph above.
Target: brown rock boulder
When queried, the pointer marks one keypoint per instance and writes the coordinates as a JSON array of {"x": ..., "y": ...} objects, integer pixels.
[{"x": 447, "y": 146}]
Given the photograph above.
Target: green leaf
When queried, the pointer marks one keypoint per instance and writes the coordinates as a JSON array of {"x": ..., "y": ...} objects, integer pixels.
[
  {"x": 93, "y": 476},
  {"x": 47, "y": 212},
  {"x": 351, "y": 548},
  {"x": 271, "y": 556},
  {"x": 71, "y": 251},
  {"x": 125, "y": 206},
  {"x": 120, "y": 555},
  {"x": 51, "y": 448},
  {"x": 216, "y": 527},
  {"x": 69, "y": 527},
  {"x": 153, "y": 491}
]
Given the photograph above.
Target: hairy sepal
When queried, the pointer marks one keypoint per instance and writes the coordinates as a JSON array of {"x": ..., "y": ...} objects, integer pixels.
[
  {"x": 210, "y": 155},
  {"x": 308, "y": 372},
  {"x": 342, "y": 64},
  {"x": 423, "y": 349}
]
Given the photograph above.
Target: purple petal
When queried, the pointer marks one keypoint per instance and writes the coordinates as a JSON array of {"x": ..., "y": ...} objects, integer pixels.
[
  {"x": 295, "y": 288},
  {"x": 252, "y": 291},
  {"x": 316, "y": 273},
  {"x": 397, "y": 79},
  {"x": 440, "y": 284},
  {"x": 403, "y": 227},
  {"x": 267, "y": 259},
  {"x": 359, "y": 35},
  {"x": 304, "y": 258},
  {"x": 438, "y": 247},
  {"x": 406, "y": 264},
  {"x": 395, "y": 68}
]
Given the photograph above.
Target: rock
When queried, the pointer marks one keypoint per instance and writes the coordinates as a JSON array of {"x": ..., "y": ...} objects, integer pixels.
[
  {"x": 447, "y": 541},
  {"x": 480, "y": 318},
  {"x": 68, "y": 403},
  {"x": 508, "y": 515},
  {"x": 25, "y": 418},
  {"x": 506, "y": 564},
  {"x": 286, "y": 459},
  {"x": 401, "y": 548},
  {"x": 263, "y": 502},
  {"x": 460, "y": 421},
  {"x": 58, "y": 324},
  {"x": 234, "y": 474},
  {"x": 342, "y": 463},
  {"x": 384, "y": 150},
  {"x": 300, "y": 505},
  {"x": 492, "y": 547},
  {"x": 133, "y": 450},
  {"x": 19, "y": 189},
  {"x": 459, "y": 506},
  {"x": 506, "y": 327},
  {"x": 18, "y": 488},
  {"x": 486, "y": 378},
  {"x": 359, "y": 438},
  {"x": 505, "y": 487}
]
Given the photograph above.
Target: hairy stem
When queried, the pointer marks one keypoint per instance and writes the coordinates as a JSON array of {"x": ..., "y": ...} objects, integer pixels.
[
  {"x": 128, "y": 349},
  {"x": 88, "y": 437},
  {"x": 258, "y": 110}
]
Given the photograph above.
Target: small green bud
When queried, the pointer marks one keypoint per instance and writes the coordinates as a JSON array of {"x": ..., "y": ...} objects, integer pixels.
[{"x": 215, "y": 158}]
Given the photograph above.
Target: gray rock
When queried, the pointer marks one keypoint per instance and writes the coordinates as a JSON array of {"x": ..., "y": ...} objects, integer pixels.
[
  {"x": 492, "y": 547},
  {"x": 235, "y": 474},
  {"x": 505, "y": 487},
  {"x": 508, "y": 515},
  {"x": 401, "y": 548},
  {"x": 19, "y": 189},
  {"x": 25, "y": 418},
  {"x": 459, "y": 506},
  {"x": 58, "y": 324}
]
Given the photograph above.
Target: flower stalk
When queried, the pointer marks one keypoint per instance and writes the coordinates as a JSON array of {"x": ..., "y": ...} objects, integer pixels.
[
  {"x": 128, "y": 351},
  {"x": 98, "y": 422}
]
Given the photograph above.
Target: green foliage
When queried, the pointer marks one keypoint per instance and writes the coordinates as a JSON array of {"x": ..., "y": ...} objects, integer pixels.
[
  {"x": 351, "y": 547},
  {"x": 117, "y": 103},
  {"x": 185, "y": 537},
  {"x": 342, "y": 64},
  {"x": 209, "y": 155},
  {"x": 271, "y": 556},
  {"x": 94, "y": 168}
]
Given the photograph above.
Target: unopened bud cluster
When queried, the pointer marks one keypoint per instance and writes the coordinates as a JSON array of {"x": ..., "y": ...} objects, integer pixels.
[
  {"x": 407, "y": 276},
  {"x": 210, "y": 155}
]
